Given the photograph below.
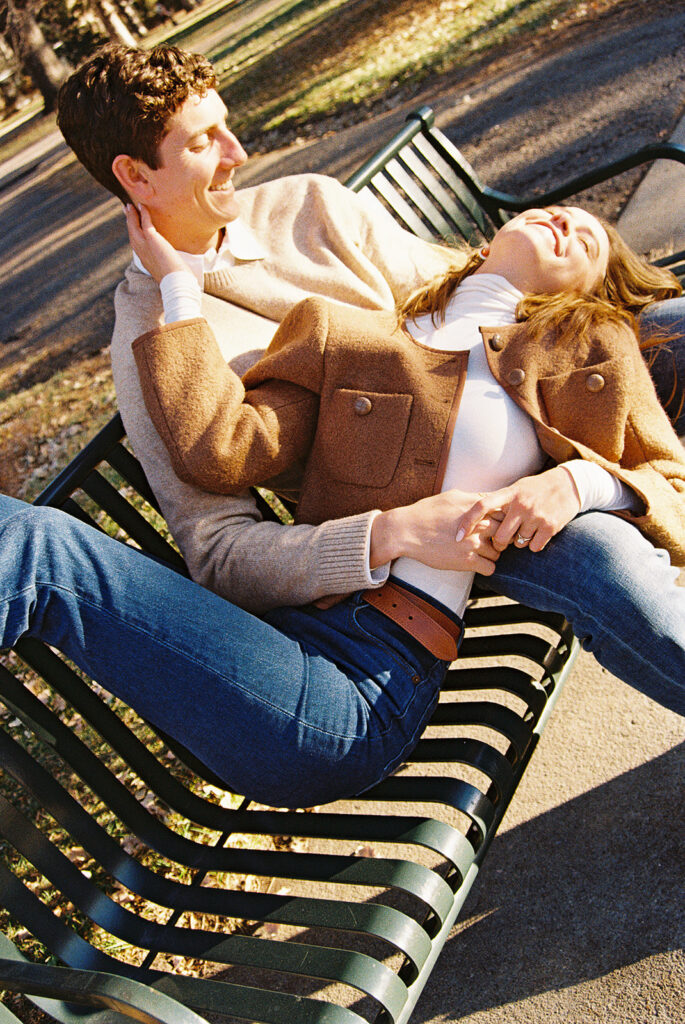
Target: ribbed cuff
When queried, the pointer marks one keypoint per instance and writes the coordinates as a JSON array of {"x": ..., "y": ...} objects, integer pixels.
[
  {"x": 343, "y": 555},
  {"x": 181, "y": 296}
]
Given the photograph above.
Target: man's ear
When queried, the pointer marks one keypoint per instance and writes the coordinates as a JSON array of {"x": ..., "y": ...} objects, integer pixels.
[{"x": 134, "y": 176}]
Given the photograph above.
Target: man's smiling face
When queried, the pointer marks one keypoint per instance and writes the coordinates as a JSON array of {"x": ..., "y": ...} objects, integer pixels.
[{"x": 192, "y": 193}]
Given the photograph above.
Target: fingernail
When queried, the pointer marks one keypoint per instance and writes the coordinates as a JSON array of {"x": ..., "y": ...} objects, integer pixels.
[{"x": 460, "y": 535}]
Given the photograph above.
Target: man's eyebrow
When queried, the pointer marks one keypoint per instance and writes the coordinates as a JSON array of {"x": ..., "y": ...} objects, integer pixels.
[
  {"x": 208, "y": 128},
  {"x": 198, "y": 133}
]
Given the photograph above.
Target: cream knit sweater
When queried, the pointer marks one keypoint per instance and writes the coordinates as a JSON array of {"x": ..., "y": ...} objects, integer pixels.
[{"x": 320, "y": 239}]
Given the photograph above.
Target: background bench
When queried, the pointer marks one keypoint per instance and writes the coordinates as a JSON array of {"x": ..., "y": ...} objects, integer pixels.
[{"x": 143, "y": 890}]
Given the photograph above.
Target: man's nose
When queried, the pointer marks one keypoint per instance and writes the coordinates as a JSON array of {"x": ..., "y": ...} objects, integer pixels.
[{"x": 232, "y": 151}]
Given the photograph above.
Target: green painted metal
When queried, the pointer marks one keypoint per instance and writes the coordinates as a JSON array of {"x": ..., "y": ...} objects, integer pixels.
[{"x": 433, "y": 190}]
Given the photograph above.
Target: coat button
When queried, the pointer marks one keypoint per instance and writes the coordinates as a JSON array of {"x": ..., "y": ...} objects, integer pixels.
[
  {"x": 362, "y": 406},
  {"x": 516, "y": 377},
  {"x": 595, "y": 382},
  {"x": 496, "y": 343}
]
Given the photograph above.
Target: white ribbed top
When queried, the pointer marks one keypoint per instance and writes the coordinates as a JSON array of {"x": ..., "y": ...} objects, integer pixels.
[{"x": 494, "y": 442}]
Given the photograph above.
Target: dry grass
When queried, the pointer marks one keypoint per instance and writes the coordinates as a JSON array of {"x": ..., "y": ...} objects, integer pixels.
[{"x": 43, "y": 426}]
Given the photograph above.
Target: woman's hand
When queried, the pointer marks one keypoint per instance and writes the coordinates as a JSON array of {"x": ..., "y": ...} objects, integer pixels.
[
  {"x": 156, "y": 254},
  {"x": 532, "y": 510},
  {"x": 427, "y": 532}
]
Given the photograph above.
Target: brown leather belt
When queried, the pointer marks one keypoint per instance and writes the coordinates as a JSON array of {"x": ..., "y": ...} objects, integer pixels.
[{"x": 432, "y": 628}]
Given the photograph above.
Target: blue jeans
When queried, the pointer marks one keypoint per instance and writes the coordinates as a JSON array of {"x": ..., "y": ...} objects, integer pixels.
[
  {"x": 667, "y": 361},
  {"x": 307, "y": 707},
  {"x": 617, "y": 590}
]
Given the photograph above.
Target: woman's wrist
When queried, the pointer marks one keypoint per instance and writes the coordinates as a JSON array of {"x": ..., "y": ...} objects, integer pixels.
[{"x": 387, "y": 537}]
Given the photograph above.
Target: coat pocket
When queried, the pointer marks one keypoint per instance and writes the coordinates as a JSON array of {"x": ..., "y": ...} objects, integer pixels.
[
  {"x": 361, "y": 435},
  {"x": 589, "y": 405}
]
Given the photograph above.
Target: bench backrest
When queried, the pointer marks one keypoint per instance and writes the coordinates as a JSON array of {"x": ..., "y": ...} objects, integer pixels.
[{"x": 432, "y": 190}]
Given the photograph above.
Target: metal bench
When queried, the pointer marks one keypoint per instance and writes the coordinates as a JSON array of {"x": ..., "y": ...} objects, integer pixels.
[{"x": 134, "y": 886}]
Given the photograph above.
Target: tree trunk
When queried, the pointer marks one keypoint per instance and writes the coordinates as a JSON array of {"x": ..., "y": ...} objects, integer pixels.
[
  {"x": 114, "y": 25},
  {"x": 36, "y": 56}
]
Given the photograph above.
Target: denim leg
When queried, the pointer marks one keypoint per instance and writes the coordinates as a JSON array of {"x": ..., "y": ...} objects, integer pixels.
[
  {"x": 277, "y": 721},
  {"x": 667, "y": 361},
  {"x": 620, "y": 594}
]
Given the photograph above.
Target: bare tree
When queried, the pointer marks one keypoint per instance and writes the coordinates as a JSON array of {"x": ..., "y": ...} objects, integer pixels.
[
  {"x": 34, "y": 53},
  {"x": 132, "y": 17},
  {"x": 111, "y": 18}
]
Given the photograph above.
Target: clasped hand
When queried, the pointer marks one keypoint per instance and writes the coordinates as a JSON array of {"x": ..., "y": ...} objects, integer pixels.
[
  {"x": 465, "y": 531},
  {"x": 530, "y": 511}
]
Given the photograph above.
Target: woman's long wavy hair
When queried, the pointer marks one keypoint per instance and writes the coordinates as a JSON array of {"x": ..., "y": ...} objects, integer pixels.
[{"x": 630, "y": 284}]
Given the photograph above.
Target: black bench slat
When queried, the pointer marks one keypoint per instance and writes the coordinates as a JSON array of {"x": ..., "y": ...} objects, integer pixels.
[
  {"x": 161, "y": 782},
  {"x": 479, "y": 615},
  {"x": 325, "y": 964},
  {"x": 451, "y": 188},
  {"x": 402, "y": 210},
  {"x": 420, "y": 121},
  {"x": 130, "y": 519},
  {"x": 406, "y": 876},
  {"x": 417, "y": 194},
  {"x": 493, "y": 716},
  {"x": 386, "y": 923},
  {"x": 511, "y": 644},
  {"x": 508, "y": 680},
  {"x": 456, "y": 793},
  {"x": 129, "y": 997},
  {"x": 130, "y": 469},
  {"x": 474, "y": 753},
  {"x": 205, "y": 994},
  {"x": 455, "y": 220},
  {"x": 73, "y": 475}
]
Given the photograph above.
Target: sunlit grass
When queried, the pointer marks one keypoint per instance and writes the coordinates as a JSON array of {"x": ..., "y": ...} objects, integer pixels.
[{"x": 310, "y": 62}]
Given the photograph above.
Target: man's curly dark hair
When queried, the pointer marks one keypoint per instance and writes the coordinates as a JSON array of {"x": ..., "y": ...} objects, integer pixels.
[{"x": 120, "y": 100}]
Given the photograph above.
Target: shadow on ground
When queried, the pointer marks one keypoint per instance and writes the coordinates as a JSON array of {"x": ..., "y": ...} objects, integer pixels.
[{"x": 565, "y": 898}]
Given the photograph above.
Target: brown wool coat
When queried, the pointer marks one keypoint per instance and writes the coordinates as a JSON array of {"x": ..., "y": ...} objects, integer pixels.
[{"x": 371, "y": 411}]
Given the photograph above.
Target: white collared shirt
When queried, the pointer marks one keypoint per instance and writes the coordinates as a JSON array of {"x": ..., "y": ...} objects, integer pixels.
[{"x": 182, "y": 291}]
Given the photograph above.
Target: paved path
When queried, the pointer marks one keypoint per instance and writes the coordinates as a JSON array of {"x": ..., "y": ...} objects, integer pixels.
[{"x": 655, "y": 215}]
